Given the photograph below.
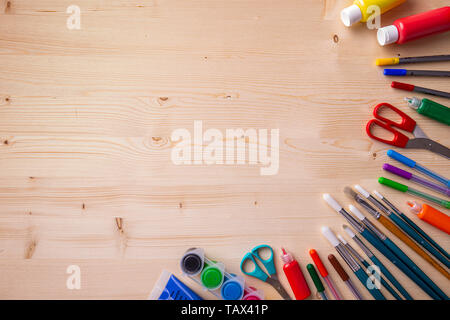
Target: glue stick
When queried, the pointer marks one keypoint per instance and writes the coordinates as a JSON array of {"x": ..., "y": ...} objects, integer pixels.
[
  {"x": 361, "y": 10},
  {"x": 431, "y": 215},
  {"x": 415, "y": 26}
]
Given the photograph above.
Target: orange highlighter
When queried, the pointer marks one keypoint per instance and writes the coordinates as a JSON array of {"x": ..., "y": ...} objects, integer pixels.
[{"x": 431, "y": 215}]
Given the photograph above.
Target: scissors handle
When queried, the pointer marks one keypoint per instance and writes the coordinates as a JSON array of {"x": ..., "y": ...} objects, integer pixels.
[
  {"x": 257, "y": 272},
  {"x": 399, "y": 140},
  {"x": 268, "y": 263},
  {"x": 406, "y": 123}
]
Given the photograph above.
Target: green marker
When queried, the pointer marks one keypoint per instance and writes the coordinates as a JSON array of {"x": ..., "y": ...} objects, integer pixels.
[
  {"x": 401, "y": 187},
  {"x": 317, "y": 282},
  {"x": 430, "y": 109}
]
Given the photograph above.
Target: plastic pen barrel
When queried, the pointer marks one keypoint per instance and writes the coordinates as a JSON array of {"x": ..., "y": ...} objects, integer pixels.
[
  {"x": 317, "y": 282},
  {"x": 344, "y": 276},
  {"x": 412, "y": 164},
  {"x": 324, "y": 273}
]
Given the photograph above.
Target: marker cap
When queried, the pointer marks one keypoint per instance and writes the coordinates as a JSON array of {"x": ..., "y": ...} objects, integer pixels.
[
  {"x": 351, "y": 15},
  {"x": 387, "y": 35}
]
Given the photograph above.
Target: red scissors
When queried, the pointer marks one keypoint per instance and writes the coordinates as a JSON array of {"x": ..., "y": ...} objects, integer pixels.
[{"x": 420, "y": 141}]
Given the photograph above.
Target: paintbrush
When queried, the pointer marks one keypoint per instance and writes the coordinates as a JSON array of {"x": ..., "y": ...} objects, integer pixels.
[
  {"x": 366, "y": 264},
  {"x": 426, "y": 283},
  {"x": 411, "y": 232},
  {"x": 376, "y": 241}
]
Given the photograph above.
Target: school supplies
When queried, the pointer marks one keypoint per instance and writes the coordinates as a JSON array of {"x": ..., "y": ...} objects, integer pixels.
[
  {"x": 409, "y": 176},
  {"x": 398, "y": 60},
  {"x": 317, "y": 282},
  {"x": 352, "y": 263},
  {"x": 410, "y": 87},
  {"x": 398, "y": 227},
  {"x": 424, "y": 73},
  {"x": 412, "y": 224},
  {"x": 366, "y": 264},
  {"x": 403, "y": 188},
  {"x": 375, "y": 238},
  {"x": 430, "y": 109},
  {"x": 420, "y": 141},
  {"x": 427, "y": 284},
  {"x": 212, "y": 276},
  {"x": 324, "y": 273},
  {"x": 377, "y": 262},
  {"x": 415, "y": 26},
  {"x": 271, "y": 276},
  {"x": 408, "y": 227},
  {"x": 169, "y": 287},
  {"x": 431, "y": 215},
  {"x": 361, "y": 10},
  {"x": 295, "y": 276},
  {"x": 417, "y": 166},
  {"x": 344, "y": 276}
]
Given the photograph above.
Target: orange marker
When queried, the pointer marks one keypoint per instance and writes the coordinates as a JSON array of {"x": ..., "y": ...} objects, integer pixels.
[
  {"x": 431, "y": 215},
  {"x": 324, "y": 273}
]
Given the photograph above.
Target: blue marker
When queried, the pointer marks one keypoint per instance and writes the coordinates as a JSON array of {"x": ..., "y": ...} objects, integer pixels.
[
  {"x": 412, "y": 164},
  {"x": 405, "y": 72}
]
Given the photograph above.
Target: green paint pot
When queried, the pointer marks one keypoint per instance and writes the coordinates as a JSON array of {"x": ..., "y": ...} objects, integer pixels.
[{"x": 212, "y": 277}]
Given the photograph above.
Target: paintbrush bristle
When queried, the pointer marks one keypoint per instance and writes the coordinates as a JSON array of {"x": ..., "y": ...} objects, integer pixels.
[{"x": 349, "y": 191}]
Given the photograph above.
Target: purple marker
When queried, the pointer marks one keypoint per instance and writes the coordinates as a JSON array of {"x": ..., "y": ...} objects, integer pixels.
[{"x": 409, "y": 176}]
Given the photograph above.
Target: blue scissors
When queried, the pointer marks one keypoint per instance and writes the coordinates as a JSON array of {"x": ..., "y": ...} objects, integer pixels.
[{"x": 258, "y": 273}]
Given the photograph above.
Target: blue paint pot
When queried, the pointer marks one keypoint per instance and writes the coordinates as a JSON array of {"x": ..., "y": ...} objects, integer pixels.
[{"x": 232, "y": 289}]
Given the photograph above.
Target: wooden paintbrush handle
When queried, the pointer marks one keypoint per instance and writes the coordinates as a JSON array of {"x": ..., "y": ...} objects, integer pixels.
[{"x": 410, "y": 243}]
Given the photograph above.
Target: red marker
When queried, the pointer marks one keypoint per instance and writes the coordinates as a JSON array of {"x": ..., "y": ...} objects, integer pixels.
[
  {"x": 324, "y": 273},
  {"x": 295, "y": 276},
  {"x": 410, "y": 87}
]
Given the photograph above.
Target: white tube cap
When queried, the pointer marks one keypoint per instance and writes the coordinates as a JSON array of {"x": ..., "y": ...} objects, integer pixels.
[
  {"x": 326, "y": 231},
  {"x": 351, "y": 15},
  {"x": 387, "y": 35}
]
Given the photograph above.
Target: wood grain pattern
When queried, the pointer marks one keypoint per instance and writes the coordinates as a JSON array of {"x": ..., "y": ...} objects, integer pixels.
[{"x": 86, "y": 118}]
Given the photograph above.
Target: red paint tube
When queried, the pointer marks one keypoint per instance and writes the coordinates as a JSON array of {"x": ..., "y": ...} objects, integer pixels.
[
  {"x": 295, "y": 276},
  {"x": 415, "y": 27}
]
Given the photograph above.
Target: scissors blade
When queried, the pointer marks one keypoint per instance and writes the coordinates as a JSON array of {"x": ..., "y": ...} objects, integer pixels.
[
  {"x": 274, "y": 282},
  {"x": 418, "y": 133},
  {"x": 428, "y": 144}
]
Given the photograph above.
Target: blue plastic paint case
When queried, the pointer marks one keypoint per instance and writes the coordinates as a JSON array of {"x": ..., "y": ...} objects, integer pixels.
[{"x": 169, "y": 287}]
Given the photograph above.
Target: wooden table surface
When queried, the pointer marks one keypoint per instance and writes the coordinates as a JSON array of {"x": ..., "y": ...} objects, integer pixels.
[{"x": 86, "y": 118}]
